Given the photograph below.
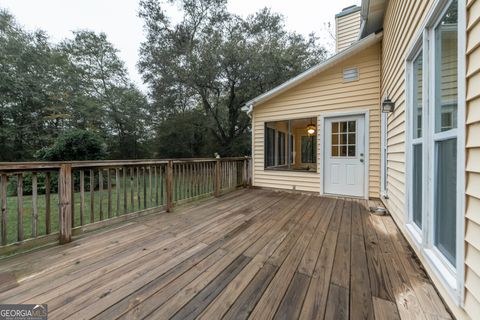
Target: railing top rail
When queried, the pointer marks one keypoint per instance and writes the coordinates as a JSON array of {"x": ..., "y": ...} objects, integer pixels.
[{"x": 45, "y": 166}]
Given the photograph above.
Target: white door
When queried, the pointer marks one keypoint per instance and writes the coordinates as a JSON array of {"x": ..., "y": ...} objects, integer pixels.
[{"x": 344, "y": 163}]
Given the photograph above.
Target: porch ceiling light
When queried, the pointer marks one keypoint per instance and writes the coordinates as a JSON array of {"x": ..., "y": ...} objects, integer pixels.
[
  {"x": 311, "y": 129},
  {"x": 388, "y": 105}
]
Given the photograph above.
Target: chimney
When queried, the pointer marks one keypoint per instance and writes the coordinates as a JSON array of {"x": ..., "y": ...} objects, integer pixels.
[{"x": 347, "y": 27}]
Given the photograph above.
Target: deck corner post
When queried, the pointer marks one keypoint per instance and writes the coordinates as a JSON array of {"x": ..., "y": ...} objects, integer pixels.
[
  {"x": 65, "y": 203},
  {"x": 218, "y": 182},
  {"x": 170, "y": 186}
]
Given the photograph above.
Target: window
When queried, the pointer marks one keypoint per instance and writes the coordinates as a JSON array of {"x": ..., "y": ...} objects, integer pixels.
[
  {"x": 344, "y": 139},
  {"x": 433, "y": 147},
  {"x": 417, "y": 142},
  {"x": 445, "y": 134},
  {"x": 309, "y": 149},
  {"x": 281, "y": 149},
  {"x": 298, "y": 151},
  {"x": 269, "y": 147}
]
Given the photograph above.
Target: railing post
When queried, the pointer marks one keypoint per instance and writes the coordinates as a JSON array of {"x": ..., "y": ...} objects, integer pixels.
[
  {"x": 170, "y": 186},
  {"x": 218, "y": 181},
  {"x": 245, "y": 172},
  {"x": 65, "y": 201}
]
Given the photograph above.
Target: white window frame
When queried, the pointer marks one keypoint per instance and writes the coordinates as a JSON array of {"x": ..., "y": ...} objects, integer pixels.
[
  {"x": 452, "y": 276},
  {"x": 417, "y": 232}
]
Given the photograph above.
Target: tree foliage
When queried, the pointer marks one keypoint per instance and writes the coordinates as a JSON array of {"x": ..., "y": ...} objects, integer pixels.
[
  {"x": 47, "y": 89},
  {"x": 214, "y": 60},
  {"x": 61, "y": 101},
  {"x": 74, "y": 144}
]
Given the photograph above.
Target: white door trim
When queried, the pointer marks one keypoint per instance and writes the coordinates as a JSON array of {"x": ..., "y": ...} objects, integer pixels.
[{"x": 321, "y": 156}]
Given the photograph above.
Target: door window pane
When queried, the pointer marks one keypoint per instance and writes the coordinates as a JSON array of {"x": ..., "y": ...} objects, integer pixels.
[
  {"x": 445, "y": 198},
  {"x": 417, "y": 185},
  {"x": 344, "y": 142},
  {"x": 446, "y": 71},
  {"x": 417, "y": 96}
]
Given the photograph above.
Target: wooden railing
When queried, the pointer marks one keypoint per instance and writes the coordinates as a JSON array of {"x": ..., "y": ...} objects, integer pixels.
[{"x": 93, "y": 194}]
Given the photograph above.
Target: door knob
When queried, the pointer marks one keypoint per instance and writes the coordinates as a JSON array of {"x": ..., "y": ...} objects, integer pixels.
[{"x": 361, "y": 160}]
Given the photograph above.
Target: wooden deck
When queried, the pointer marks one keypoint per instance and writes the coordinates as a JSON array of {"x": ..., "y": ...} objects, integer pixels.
[{"x": 255, "y": 254}]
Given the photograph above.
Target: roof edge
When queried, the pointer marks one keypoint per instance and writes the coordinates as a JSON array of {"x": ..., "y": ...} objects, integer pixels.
[
  {"x": 313, "y": 71},
  {"x": 348, "y": 10}
]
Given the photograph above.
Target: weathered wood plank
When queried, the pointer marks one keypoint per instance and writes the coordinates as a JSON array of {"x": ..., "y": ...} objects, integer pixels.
[
  {"x": 82, "y": 197},
  {"x": 341, "y": 264},
  {"x": 109, "y": 187},
  {"x": 125, "y": 190},
  {"x": 20, "y": 207},
  {"x": 156, "y": 173},
  {"x": 169, "y": 186},
  {"x": 195, "y": 306},
  {"x": 4, "y": 208},
  {"x": 245, "y": 303},
  {"x": 316, "y": 298},
  {"x": 139, "y": 198},
  {"x": 132, "y": 189},
  {"x": 100, "y": 192},
  {"x": 361, "y": 306},
  {"x": 144, "y": 174},
  {"x": 291, "y": 304},
  {"x": 337, "y": 303},
  {"x": 117, "y": 190},
  {"x": 48, "y": 206},
  {"x": 379, "y": 282},
  {"x": 150, "y": 189},
  {"x": 385, "y": 309},
  {"x": 218, "y": 178},
  {"x": 65, "y": 200},
  {"x": 34, "y": 205},
  {"x": 92, "y": 196}
]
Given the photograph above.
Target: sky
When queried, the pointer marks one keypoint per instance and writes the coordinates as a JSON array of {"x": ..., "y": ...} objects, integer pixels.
[{"x": 119, "y": 20}]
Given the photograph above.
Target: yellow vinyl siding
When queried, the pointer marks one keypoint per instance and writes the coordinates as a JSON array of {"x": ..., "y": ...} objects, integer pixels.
[
  {"x": 326, "y": 92},
  {"x": 472, "y": 205},
  {"x": 402, "y": 22},
  {"x": 347, "y": 30}
]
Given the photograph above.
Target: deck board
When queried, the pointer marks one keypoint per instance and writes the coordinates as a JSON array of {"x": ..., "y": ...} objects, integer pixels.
[{"x": 256, "y": 254}]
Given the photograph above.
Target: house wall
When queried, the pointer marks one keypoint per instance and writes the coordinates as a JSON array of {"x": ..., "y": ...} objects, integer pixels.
[
  {"x": 472, "y": 205},
  {"x": 402, "y": 21},
  {"x": 347, "y": 30},
  {"x": 320, "y": 95}
]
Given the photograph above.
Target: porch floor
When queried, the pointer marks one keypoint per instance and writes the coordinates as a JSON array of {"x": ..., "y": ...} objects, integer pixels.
[{"x": 256, "y": 254}]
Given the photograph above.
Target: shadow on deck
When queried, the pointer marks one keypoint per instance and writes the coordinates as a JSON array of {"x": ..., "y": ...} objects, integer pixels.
[{"x": 254, "y": 254}]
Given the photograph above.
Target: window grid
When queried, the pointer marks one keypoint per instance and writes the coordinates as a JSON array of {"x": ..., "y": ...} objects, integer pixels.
[{"x": 344, "y": 139}]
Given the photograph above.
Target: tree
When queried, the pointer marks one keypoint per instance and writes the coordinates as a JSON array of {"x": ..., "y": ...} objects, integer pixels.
[
  {"x": 104, "y": 99},
  {"x": 217, "y": 61},
  {"x": 74, "y": 145},
  {"x": 184, "y": 135},
  {"x": 47, "y": 89},
  {"x": 30, "y": 97}
]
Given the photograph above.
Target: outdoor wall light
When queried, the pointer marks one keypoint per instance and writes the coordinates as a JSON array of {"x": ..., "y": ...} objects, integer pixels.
[
  {"x": 388, "y": 105},
  {"x": 311, "y": 129}
]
